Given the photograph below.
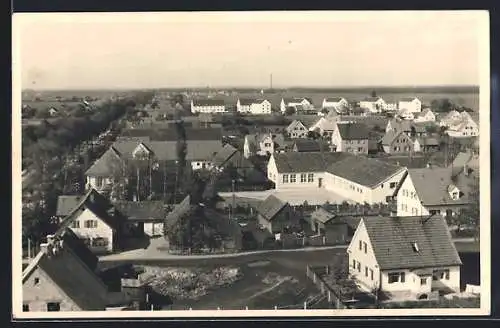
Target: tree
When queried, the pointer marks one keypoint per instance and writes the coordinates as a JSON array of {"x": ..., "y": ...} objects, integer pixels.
[
  {"x": 442, "y": 105},
  {"x": 340, "y": 273},
  {"x": 470, "y": 216},
  {"x": 290, "y": 111},
  {"x": 373, "y": 93}
]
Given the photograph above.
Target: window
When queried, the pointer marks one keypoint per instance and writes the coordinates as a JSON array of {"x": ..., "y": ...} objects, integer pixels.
[
  {"x": 360, "y": 245},
  {"x": 75, "y": 224},
  {"x": 434, "y": 212},
  {"x": 354, "y": 264},
  {"x": 36, "y": 281},
  {"x": 423, "y": 281},
  {"x": 303, "y": 177},
  {"x": 267, "y": 144},
  {"x": 53, "y": 306},
  {"x": 310, "y": 177},
  {"x": 359, "y": 267},
  {"x": 360, "y": 149},
  {"x": 365, "y": 247},
  {"x": 285, "y": 178},
  {"x": 371, "y": 274},
  {"x": 446, "y": 274},
  {"x": 90, "y": 224},
  {"x": 396, "y": 277},
  {"x": 26, "y": 307},
  {"x": 292, "y": 178},
  {"x": 98, "y": 182},
  {"x": 100, "y": 242},
  {"x": 366, "y": 271}
]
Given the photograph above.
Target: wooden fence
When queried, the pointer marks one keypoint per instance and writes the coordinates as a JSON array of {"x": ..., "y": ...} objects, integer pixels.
[{"x": 314, "y": 273}]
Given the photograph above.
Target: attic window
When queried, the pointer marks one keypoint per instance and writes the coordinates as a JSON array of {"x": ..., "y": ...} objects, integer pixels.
[
  {"x": 36, "y": 281},
  {"x": 415, "y": 247}
]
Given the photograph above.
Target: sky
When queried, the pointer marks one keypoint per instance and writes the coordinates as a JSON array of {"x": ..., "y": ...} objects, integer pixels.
[{"x": 153, "y": 50}]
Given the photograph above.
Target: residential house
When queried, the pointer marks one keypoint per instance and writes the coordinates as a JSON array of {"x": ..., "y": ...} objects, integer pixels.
[
  {"x": 404, "y": 259},
  {"x": 332, "y": 228},
  {"x": 405, "y": 114},
  {"x": 61, "y": 277},
  {"x": 450, "y": 118},
  {"x": 411, "y": 129},
  {"x": 229, "y": 158},
  {"x": 463, "y": 127},
  {"x": 208, "y": 106},
  {"x": 335, "y": 103},
  {"x": 326, "y": 125},
  {"x": 253, "y": 106},
  {"x": 351, "y": 138},
  {"x": 147, "y": 217},
  {"x": 397, "y": 142},
  {"x": 425, "y": 116},
  {"x": 425, "y": 144},
  {"x": 93, "y": 219},
  {"x": 296, "y": 129},
  {"x": 263, "y": 144},
  {"x": 412, "y": 104},
  {"x": 307, "y": 145},
  {"x": 355, "y": 177},
  {"x": 275, "y": 215},
  {"x": 53, "y": 111},
  {"x": 434, "y": 190},
  {"x": 374, "y": 104},
  {"x": 305, "y": 104}
]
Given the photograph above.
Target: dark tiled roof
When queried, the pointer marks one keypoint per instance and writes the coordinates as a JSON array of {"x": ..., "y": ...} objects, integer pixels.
[
  {"x": 246, "y": 102},
  {"x": 179, "y": 212},
  {"x": 270, "y": 207},
  {"x": 223, "y": 155},
  {"x": 353, "y": 131},
  {"x": 466, "y": 158},
  {"x": 431, "y": 185},
  {"x": 305, "y": 145},
  {"x": 296, "y": 162},
  {"x": 322, "y": 215},
  {"x": 79, "y": 248},
  {"x": 145, "y": 210},
  {"x": 406, "y": 161},
  {"x": 364, "y": 170},
  {"x": 392, "y": 241},
  {"x": 66, "y": 204},
  {"x": 334, "y": 99},
  {"x": 109, "y": 161},
  {"x": 192, "y": 133},
  {"x": 208, "y": 102}
]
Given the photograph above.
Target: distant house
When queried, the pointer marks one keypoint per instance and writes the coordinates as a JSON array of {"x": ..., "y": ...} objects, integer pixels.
[
  {"x": 404, "y": 258},
  {"x": 62, "y": 277},
  {"x": 351, "y": 138},
  {"x": 425, "y": 144},
  {"x": 305, "y": 104},
  {"x": 326, "y": 125},
  {"x": 430, "y": 191},
  {"x": 53, "y": 111},
  {"x": 275, "y": 216},
  {"x": 306, "y": 145},
  {"x": 335, "y": 103},
  {"x": 462, "y": 127},
  {"x": 208, "y": 106},
  {"x": 425, "y": 115},
  {"x": 263, "y": 144},
  {"x": 93, "y": 219},
  {"x": 397, "y": 142},
  {"x": 450, "y": 118},
  {"x": 405, "y": 114},
  {"x": 412, "y": 104},
  {"x": 296, "y": 129},
  {"x": 334, "y": 229},
  {"x": 253, "y": 106},
  {"x": 355, "y": 177},
  {"x": 411, "y": 129},
  {"x": 229, "y": 157},
  {"x": 373, "y": 104},
  {"x": 146, "y": 217}
]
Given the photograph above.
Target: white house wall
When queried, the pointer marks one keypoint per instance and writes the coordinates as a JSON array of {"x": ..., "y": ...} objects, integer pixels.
[{"x": 102, "y": 229}]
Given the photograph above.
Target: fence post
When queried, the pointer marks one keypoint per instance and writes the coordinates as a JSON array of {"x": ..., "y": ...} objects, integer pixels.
[
  {"x": 275, "y": 307},
  {"x": 305, "y": 305},
  {"x": 246, "y": 308}
]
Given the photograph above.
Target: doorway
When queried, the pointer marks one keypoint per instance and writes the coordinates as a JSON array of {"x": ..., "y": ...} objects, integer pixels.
[{"x": 320, "y": 182}]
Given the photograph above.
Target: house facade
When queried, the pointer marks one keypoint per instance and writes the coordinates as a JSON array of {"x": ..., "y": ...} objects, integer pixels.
[
  {"x": 373, "y": 104},
  {"x": 412, "y": 104},
  {"x": 426, "y": 115},
  {"x": 404, "y": 258},
  {"x": 208, "y": 106},
  {"x": 275, "y": 215},
  {"x": 350, "y": 138},
  {"x": 460, "y": 125},
  {"x": 326, "y": 125},
  {"x": 397, "y": 143},
  {"x": 305, "y": 103},
  {"x": 296, "y": 130},
  {"x": 336, "y": 103},
  {"x": 253, "y": 106}
]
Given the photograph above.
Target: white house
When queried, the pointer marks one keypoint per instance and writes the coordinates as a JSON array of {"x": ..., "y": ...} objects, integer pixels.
[
  {"x": 254, "y": 106},
  {"x": 335, "y": 102},
  {"x": 433, "y": 191},
  {"x": 357, "y": 178},
  {"x": 326, "y": 124},
  {"x": 208, "y": 106},
  {"x": 53, "y": 111},
  {"x": 305, "y": 103},
  {"x": 450, "y": 118},
  {"x": 351, "y": 138},
  {"x": 296, "y": 129},
  {"x": 463, "y": 127},
  {"x": 373, "y": 104},
  {"x": 405, "y": 114},
  {"x": 412, "y": 104},
  {"x": 425, "y": 115},
  {"x": 404, "y": 259},
  {"x": 262, "y": 144}
]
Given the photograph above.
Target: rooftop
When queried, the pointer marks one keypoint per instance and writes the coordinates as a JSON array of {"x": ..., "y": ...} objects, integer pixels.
[
  {"x": 270, "y": 207},
  {"x": 296, "y": 162},
  {"x": 353, "y": 131}
]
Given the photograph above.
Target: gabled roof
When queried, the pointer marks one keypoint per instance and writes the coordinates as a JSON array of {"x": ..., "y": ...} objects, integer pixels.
[
  {"x": 322, "y": 215},
  {"x": 79, "y": 248},
  {"x": 364, "y": 170},
  {"x": 390, "y": 136},
  {"x": 392, "y": 241},
  {"x": 223, "y": 155},
  {"x": 306, "y": 145},
  {"x": 66, "y": 204},
  {"x": 353, "y": 131},
  {"x": 97, "y": 204},
  {"x": 208, "y": 102},
  {"x": 325, "y": 123},
  {"x": 295, "y": 123},
  {"x": 431, "y": 185},
  {"x": 297, "y": 162},
  {"x": 71, "y": 274},
  {"x": 270, "y": 207},
  {"x": 109, "y": 161},
  {"x": 246, "y": 102},
  {"x": 144, "y": 210}
]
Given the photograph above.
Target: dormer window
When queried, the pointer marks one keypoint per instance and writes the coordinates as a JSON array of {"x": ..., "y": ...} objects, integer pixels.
[{"x": 454, "y": 192}]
